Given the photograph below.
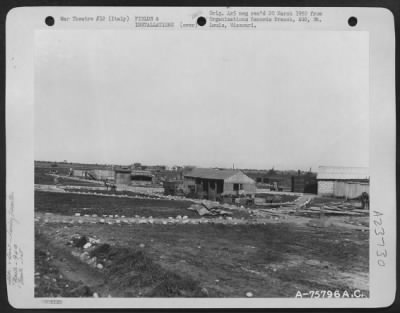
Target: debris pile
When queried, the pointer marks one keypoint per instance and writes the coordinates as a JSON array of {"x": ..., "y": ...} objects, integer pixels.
[
  {"x": 87, "y": 244},
  {"x": 210, "y": 208}
]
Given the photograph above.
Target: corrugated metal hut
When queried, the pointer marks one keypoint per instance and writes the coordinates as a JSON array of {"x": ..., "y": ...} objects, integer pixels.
[
  {"x": 210, "y": 183},
  {"x": 348, "y": 182},
  {"x": 141, "y": 177}
]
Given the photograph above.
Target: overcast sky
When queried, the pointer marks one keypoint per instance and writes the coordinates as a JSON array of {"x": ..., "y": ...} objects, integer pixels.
[{"x": 292, "y": 100}]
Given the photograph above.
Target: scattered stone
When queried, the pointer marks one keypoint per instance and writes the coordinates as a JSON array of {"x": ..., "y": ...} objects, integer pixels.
[
  {"x": 102, "y": 221},
  {"x": 94, "y": 241},
  {"x": 84, "y": 256},
  {"x": 142, "y": 245},
  {"x": 95, "y": 295},
  {"x": 92, "y": 261},
  {"x": 100, "y": 266},
  {"x": 185, "y": 217},
  {"x": 94, "y": 215},
  {"x": 87, "y": 245},
  {"x": 77, "y": 214},
  {"x": 75, "y": 254},
  {"x": 79, "y": 241},
  {"x": 249, "y": 294}
]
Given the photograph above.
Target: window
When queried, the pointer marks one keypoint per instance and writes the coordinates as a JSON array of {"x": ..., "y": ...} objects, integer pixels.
[{"x": 237, "y": 187}]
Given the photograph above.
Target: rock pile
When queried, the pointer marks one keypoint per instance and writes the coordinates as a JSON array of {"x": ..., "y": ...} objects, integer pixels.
[
  {"x": 85, "y": 245},
  {"x": 210, "y": 208}
]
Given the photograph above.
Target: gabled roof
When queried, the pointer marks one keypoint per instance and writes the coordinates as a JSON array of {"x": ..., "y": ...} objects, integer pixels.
[
  {"x": 211, "y": 173},
  {"x": 342, "y": 173},
  {"x": 231, "y": 176}
]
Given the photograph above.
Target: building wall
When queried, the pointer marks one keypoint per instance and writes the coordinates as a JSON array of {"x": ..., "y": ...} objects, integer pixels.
[
  {"x": 122, "y": 178},
  {"x": 226, "y": 187},
  {"x": 326, "y": 187},
  {"x": 305, "y": 183},
  {"x": 103, "y": 174},
  {"x": 346, "y": 189},
  {"x": 350, "y": 190},
  {"x": 247, "y": 188},
  {"x": 78, "y": 173},
  {"x": 135, "y": 182}
]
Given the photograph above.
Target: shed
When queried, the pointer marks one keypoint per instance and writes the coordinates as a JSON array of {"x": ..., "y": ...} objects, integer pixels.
[
  {"x": 102, "y": 174},
  {"x": 122, "y": 176},
  {"x": 141, "y": 177},
  {"x": 341, "y": 181},
  {"x": 78, "y": 173},
  {"x": 210, "y": 183}
]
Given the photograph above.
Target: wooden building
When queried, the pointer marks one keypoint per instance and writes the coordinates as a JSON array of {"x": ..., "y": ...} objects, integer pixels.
[
  {"x": 348, "y": 182},
  {"x": 122, "y": 176},
  {"x": 211, "y": 183}
]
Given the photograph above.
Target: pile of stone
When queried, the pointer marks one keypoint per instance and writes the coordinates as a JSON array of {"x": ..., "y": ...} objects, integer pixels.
[
  {"x": 85, "y": 245},
  {"x": 210, "y": 208}
]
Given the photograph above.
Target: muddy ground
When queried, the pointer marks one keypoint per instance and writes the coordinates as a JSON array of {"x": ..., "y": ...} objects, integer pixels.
[{"x": 209, "y": 260}]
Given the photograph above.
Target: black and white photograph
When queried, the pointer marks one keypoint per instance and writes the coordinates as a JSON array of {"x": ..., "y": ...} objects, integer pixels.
[{"x": 222, "y": 159}]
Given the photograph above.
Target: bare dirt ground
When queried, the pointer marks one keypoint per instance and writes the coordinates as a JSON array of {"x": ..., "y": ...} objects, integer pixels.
[
  {"x": 139, "y": 248},
  {"x": 272, "y": 260}
]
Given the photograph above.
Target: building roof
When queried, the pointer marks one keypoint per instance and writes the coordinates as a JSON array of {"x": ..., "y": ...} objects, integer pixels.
[
  {"x": 141, "y": 173},
  {"x": 122, "y": 170},
  {"x": 342, "y": 173},
  {"x": 233, "y": 176},
  {"x": 211, "y": 173}
]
